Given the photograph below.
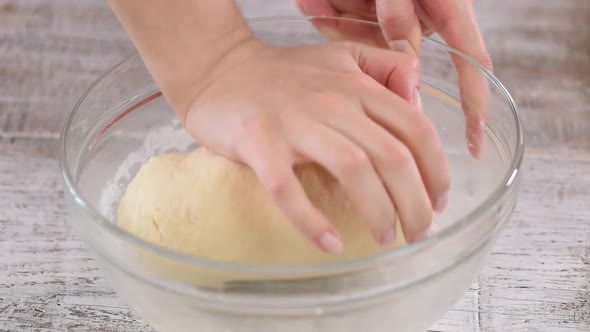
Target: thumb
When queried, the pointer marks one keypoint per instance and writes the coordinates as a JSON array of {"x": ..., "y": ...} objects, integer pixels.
[
  {"x": 398, "y": 72},
  {"x": 400, "y": 25}
]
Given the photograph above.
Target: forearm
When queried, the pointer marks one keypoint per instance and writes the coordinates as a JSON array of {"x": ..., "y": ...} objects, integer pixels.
[{"x": 180, "y": 40}]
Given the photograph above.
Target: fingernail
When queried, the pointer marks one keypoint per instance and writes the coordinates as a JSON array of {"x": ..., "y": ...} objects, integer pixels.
[
  {"x": 331, "y": 244},
  {"x": 441, "y": 202},
  {"x": 422, "y": 235},
  {"x": 388, "y": 237},
  {"x": 416, "y": 100},
  {"x": 476, "y": 138},
  {"x": 402, "y": 45}
]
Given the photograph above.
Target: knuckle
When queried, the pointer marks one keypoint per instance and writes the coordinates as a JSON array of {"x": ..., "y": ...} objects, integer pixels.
[
  {"x": 258, "y": 123},
  {"x": 394, "y": 19},
  {"x": 445, "y": 25},
  {"x": 394, "y": 13},
  {"x": 277, "y": 185},
  {"x": 253, "y": 130},
  {"x": 424, "y": 130},
  {"x": 353, "y": 161},
  {"x": 409, "y": 62},
  {"x": 396, "y": 154},
  {"x": 328, "y": 100}
]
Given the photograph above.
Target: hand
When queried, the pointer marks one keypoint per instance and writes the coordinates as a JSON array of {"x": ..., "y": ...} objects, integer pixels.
[
  {"x": 404, "y": 21},
  {"x": 345, "y": 106}
]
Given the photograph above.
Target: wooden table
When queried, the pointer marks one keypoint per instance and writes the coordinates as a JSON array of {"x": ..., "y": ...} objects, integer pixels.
[{"x": 538, "y": 278}]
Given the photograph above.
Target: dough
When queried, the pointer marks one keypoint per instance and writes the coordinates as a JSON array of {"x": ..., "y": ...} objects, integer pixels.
[{"x": 205, "y": 205}]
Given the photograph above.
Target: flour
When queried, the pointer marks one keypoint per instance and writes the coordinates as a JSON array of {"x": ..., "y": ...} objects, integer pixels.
[{"x": 169, "y": 137}]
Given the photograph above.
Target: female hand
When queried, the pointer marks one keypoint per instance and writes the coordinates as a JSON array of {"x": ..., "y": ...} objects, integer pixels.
[
  {"x": 404, "y": 21},
  {"x": 345, "y": 106}
]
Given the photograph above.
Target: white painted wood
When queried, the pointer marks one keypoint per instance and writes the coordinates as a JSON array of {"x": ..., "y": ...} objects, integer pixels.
[
  {"x": 537, "y": 279},
  {"x": 50, "y": 51}
]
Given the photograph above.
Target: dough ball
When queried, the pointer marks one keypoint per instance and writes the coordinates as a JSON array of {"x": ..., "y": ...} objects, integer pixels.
[{"x": 205, "y": 205}]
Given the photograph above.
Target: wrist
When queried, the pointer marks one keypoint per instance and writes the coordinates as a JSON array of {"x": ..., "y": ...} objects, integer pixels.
[
  {"x": 182, "y": 76},
  {"x": 181, "y": 40}
]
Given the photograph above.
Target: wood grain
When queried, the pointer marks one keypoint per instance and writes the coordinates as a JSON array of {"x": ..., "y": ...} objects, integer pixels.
[
  {"x": 48, "y": 279},
  {"x": 537, "y": 279},
  {"x": 539, "y": 274},
  {"x": 51, "y": 51},
  {"x": 541, "y": 52}
]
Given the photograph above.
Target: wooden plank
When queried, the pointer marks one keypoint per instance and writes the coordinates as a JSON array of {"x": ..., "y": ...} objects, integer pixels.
[
  {"x": 537, "y": 279},
  {"x": 541, "y": 51},
  {"x": 51, "y": 51},
  {"x": 48, "y": 279}
]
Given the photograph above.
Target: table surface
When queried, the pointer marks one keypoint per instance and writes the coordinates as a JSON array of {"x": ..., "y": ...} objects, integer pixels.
[{"x": 537, "y": 279}]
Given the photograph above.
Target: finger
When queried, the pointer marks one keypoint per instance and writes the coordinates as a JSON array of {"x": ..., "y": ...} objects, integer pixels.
[
  {"x": 398, "y": 72},
  {"x": 353, "y": 169},
  {"x": 417, "y": 133},
  {"x": 400, "y": 25},
  {"x": 274, "y": 169},
  {"x": 425, "y": 29},
  {"x": 395, "y": 166},
  {"x": 346, "y": 28},
  {"x": 316, "y": 8},
  {"x": 363, "y": 8},
  {"x": 456, "y": 23}
]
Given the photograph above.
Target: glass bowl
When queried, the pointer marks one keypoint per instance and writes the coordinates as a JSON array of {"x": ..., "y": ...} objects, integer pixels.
[{"x": 122, "y": 120}]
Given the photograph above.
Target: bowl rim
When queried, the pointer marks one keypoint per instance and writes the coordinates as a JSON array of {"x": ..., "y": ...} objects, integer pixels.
[{"x": 283, "y": 270}]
